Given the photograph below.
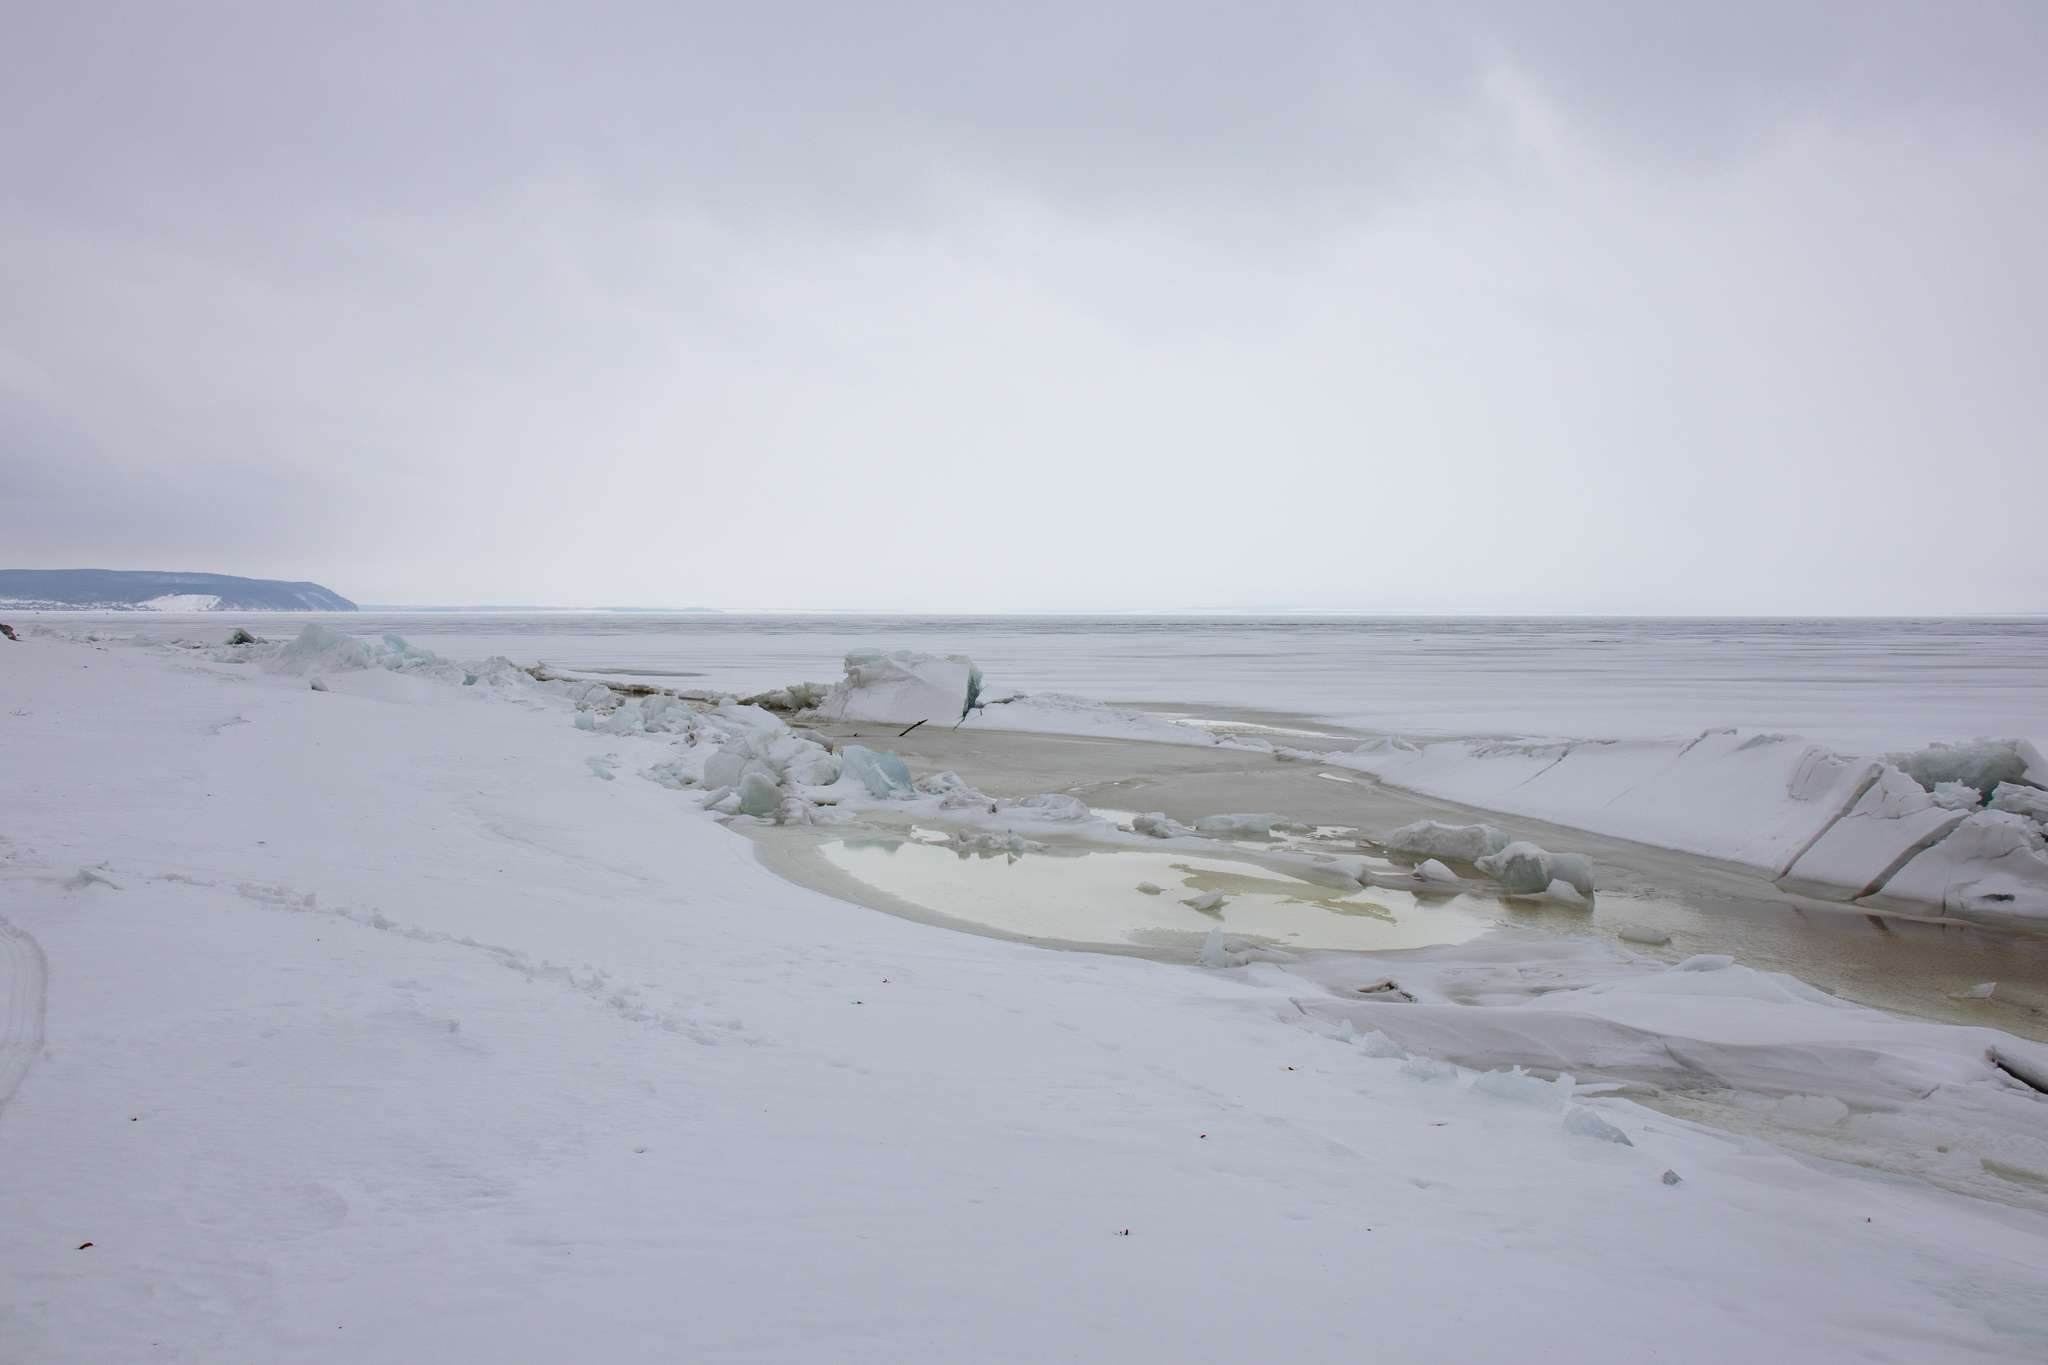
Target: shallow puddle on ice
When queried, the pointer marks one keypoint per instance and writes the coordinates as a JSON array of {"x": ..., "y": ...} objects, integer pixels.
[{"x": 1093, "y": 897}]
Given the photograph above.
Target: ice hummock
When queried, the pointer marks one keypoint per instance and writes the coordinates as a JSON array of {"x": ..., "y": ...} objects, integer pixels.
[
  {"x": 319, "y": 647},
  {"x": 901, "y": 687},
  {"x": 1518, "y": 1086},
  {"x": 2031, "y": 802},
  {"x": 1257, "y": 823},
  {"x": 1583, "y": 1122},
  {"x": 1466, "y": 843},
  {"x": 883, "y": 774},
  {"x": 1526, "y": 869},
  {"x": 1981, "y": 764}
]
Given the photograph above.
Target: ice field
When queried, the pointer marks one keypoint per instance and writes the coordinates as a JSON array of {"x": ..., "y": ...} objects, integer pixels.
[
  {"x": 1863, "y": 685},
  {"x": 436, "y": 1013}
]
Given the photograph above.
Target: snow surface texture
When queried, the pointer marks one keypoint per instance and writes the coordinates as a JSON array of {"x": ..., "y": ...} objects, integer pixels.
[
  {"x": 378, "y": 1028},
  {"x": 1958, "y": 1106}
]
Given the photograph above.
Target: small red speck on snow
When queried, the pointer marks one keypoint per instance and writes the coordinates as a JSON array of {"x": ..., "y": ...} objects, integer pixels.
[{"x": 83, "y": 1245}]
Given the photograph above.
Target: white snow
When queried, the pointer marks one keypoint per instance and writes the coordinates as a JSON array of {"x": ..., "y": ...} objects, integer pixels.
[{"x": 372, "y": 1027}]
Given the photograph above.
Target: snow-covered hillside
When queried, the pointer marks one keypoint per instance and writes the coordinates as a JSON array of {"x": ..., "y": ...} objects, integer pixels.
[{"x": 142, "y": 590}]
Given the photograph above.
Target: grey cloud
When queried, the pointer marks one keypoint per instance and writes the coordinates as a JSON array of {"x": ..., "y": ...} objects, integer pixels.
[
  {"x": 218, "y": 115},
  {"x": 369, "y": 292}
]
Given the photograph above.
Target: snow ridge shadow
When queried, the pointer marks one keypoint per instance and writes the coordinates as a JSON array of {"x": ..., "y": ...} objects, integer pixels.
[{"x": 24, "y": 982}]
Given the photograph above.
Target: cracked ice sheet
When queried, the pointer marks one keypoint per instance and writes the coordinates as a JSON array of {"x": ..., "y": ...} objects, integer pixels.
[{"x": 546, "y": 1061}]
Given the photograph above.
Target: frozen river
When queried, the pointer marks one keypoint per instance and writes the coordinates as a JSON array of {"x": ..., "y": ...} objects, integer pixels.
[{"x": 1861, "y": 685}]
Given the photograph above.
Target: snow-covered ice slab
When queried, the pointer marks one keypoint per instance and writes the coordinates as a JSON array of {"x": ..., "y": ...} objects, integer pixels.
[
  {"x": 901, "y": 687},
  {"x": 1892, "y": 821},
  {"x": 1821, "y": 824},
  {"x": 1756, "y": 799},
  {"x": 1992, "y": 867}
]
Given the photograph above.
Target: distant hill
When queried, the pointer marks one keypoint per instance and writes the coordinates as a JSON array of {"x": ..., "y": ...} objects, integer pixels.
[{"x": 139, "y": 590}]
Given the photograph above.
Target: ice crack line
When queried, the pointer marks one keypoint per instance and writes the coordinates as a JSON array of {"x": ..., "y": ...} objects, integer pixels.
[{"x": 594, "y": 982}]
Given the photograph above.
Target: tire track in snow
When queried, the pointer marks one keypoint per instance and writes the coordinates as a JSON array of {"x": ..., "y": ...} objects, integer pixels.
[{"x": 24, "y": 984}]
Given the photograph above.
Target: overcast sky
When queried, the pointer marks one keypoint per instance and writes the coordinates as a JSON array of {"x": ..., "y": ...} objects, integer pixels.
[{"x": 1692, "y": 307}]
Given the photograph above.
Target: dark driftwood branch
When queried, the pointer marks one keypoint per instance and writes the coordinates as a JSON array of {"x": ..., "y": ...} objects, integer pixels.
[{"x": 913, "y": 726}]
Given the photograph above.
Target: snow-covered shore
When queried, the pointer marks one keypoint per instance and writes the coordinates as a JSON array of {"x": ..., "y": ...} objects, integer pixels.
[{"x": 400, "y": 1021}]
